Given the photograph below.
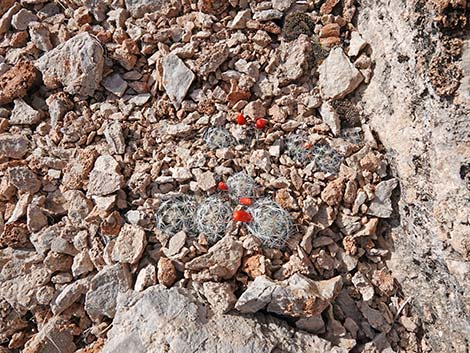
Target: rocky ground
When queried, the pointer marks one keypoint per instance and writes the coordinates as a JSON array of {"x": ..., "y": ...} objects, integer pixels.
[{"x": 204, "y": 176}]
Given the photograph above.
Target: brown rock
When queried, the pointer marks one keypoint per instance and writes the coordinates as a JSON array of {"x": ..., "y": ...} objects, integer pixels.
[
  {"x": 15, "y": 82},
  {"x": 328, "y": 6},
  {"x": 333, "y": 193},
  {"x": 166, "y": 272},
  {"x": 24, "y": 179},
  {"x": 330, "y": 42},
  {"x": 15, "y": 235},
  {"x": 221, "y": 262},
  {"x": 330, "y": 30}
]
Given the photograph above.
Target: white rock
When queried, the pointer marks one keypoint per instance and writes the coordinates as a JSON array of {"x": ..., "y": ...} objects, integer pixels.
[
  {"x": 331, "y": 118},
  {"x": 220, "y": 296},
  {"x": 69, "y": 295},
  {"x": 114, "y": 137},
  {"x": 104, "y": 288},
  {"x": 77, "y": 64},
  {"x": 363, "y": 285},
  {"x": 130, "y": 244},
  {"x": 206, "y": 181},
  {"x": 82, "y": 264},
  {"x": 356, "y": 44},
  {"x": 115, "y": 84},
  {"x": 338, "y": 76},
  {"x": 13, "y": 146},
  {"x": 147, "y": 277},
  {"x": 105, "y": 179},
  {"x": 22, "y": 19},
  {"x": 282, "y": 5},
  {"x": 23, "y": 114},
  {"x": 381, "y": 205},
  {"x": 240, "y": 19},
  {"x": 177, "y": 78},
  {"x": 267, "y": 15}
]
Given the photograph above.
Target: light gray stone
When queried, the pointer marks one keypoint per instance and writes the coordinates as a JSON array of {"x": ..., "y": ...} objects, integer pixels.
[
  {"x": 356, "y": 44},
  {"x": 115, "y": 137},
  {"x": 69, "y": 295},
  {"x": 298, "y": 296},
  {"x": 24, "y": 179},
  {"x": 104, "y": 288},
  {"x": 130, "y": 244},
  {"x": 23, "y": 114},
  {"x": 52, "y": 338},
  {"x": 105, "y": 177},
  {"x": 13, "y": 146},
  {"x": 221, "y": 262},
  {"x": 381, "y": 205},
  {"x": 338, "y": 76},
  {"x": 77, "y": 64},
  {"x": 267, "y": 15},
  {"x": 22, "y": 19},
  {"x": 115, "y": 84},
  {"x": 174, "y": 321},
  {"x": 177, "y": 78},
  {"x": 330, "y": 117}
]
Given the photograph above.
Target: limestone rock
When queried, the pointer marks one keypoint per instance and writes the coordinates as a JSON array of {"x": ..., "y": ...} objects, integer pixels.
[
  {"x": 104, "y": 288},
  {"x": 356, "y": 44},
  {"x": 381, "y": 205},
  {"x": 24, "y": 179},
  {"x": 69, "y": 295},
  {"x": 13, "y": 146},
  {"x": 105, "y": 177},
  {"x": 220, "y": 296},
  {"x": 297, "y": 296},
  {"x": 330, "y": 117},
  {"x": 196, "y": 326},
  {"x": 22, "y": 19},
  {"x": 295, "y": 57},
  {"x": 115, "y": 137},
  {"x": 77, "y": 65},
  {"x": 54, "y": 336},
  {"x": 130, "y": 244},
  {"x": 147, "y": 277},
  {"x": 23, "y": 114},
  {"x": 338, "y": 76},
  {"x": 115, "y": 84},
  {"x": 177, "y": 78},
  {"x": 221, "y": 262}
]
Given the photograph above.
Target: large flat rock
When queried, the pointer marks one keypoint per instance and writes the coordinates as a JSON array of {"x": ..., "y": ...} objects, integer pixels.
[{"x": 173, "y": 321}]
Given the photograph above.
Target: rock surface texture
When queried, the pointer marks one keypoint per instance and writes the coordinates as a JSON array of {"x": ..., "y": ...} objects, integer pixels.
[
  {"x": 161, "y": 320},
  {"x": 234, "y": 176},
  {"x": 428, "y": 140}
]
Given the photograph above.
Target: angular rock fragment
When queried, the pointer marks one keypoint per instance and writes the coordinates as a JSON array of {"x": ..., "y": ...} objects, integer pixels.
[
  {"x": 69, "y": 295},
  {"x": 22, "y": 19},
  {"x": 295, "y": 56},
  {"x": 130, "y": 244},
  {"x": 24, "y": 179},
  {"x": 147, "y": 277},
  {"x": 166, "y": 272},
  {"x": 115, "y": 137},
  {"x": 221, "y": 262},
  {"x": 23, "y": 114},
  {"x": 177, "y": 78},
  {"x": 196, "y": 326},
  {"x": 17, "y": 81},
  {"x": 381, "y": 205},
  {"x": 54, "y": 336},
  {"x": 297, "y": 296},
  {"x": 338, "y": 76},
  {"x": 40, "y": 36},
  {"x": 330, "y": 117},
  {"x": 77, "y": 65},
  {"x": 212, "y": 58},
  {"x": 105, "y": 177},
  {"x": 13, "y": 146},
  {"x": 220, "y": 296},
  {"x": 115, "y": 84},
  {"x": 104, "y": 288}
]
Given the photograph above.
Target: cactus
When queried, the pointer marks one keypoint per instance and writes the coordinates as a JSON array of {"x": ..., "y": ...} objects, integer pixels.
[
  {"x": 176, "y": 214},
  {"x": 348, "y": 113},
  {"x": 217, "y": 137},
  {"x": 212, "y": 218},
  {"x": 271, "y": 223},
  {"x": 298, "y": 148},
  {"x": 241, "y": 185},
  {"x": 327, "y": 159},
  {"x": 296, "y": 24}
]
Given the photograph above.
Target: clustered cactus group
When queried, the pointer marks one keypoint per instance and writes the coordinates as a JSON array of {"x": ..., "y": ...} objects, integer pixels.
[{"x": 267, "y": 221}]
